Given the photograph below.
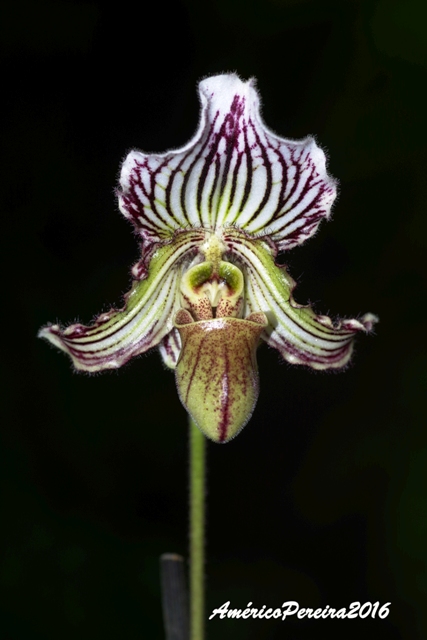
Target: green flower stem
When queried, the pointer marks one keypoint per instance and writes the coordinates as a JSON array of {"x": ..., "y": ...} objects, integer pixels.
[{"x": 197, "y": 531}]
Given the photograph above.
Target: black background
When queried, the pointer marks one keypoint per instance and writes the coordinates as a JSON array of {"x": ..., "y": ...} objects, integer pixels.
[{"x": 322, "y": 498}]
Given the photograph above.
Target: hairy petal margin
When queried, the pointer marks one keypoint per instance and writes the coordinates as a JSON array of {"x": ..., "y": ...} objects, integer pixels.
[
  {"x": 234, "y": 171},
  {"x": 296, "y": 331},
  {"x": 143, "y": 322}
]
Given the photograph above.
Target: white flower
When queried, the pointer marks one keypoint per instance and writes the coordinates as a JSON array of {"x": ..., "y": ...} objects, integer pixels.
[{"x": 212, "y": 218}]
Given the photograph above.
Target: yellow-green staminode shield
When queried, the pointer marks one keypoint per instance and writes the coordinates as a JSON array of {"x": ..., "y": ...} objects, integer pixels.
[{"x": 217, "y": 374}]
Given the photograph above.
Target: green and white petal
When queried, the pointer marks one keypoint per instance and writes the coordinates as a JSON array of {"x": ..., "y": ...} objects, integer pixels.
[
  {"x": 296, "y": 331},
  {"x": 146, "y": 318},
  {"x": 235, "y": 171}
]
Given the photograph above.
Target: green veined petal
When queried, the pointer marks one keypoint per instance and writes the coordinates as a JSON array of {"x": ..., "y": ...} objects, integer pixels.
[
  {"x": 301, "y": 336},
  {"x": 141, "y": 324}
]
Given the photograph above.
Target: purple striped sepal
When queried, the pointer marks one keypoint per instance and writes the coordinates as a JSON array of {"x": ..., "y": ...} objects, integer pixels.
[
  {"x": 212, "y": 217},
  {"x": 234, "y": 172}
]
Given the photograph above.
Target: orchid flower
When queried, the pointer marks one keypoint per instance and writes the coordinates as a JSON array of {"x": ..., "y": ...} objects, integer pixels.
[{"x": 212, "y": 218}]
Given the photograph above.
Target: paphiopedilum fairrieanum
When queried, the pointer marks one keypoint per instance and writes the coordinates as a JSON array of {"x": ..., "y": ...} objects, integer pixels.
[{"x": 212, "y": 218}]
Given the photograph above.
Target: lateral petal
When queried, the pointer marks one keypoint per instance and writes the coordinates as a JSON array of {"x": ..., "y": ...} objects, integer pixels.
[
  {"x": 145, "y": 319},
  {"x": 296, "y": 331}
]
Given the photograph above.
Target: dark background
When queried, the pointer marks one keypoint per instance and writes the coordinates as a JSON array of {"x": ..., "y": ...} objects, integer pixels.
[{"x": 322, "y": 498}]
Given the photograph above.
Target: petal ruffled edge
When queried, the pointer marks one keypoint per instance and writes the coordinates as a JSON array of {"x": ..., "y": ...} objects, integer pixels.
[
  {"x": 296, "y": 331},
  {"x": 234, "y": 171}
]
